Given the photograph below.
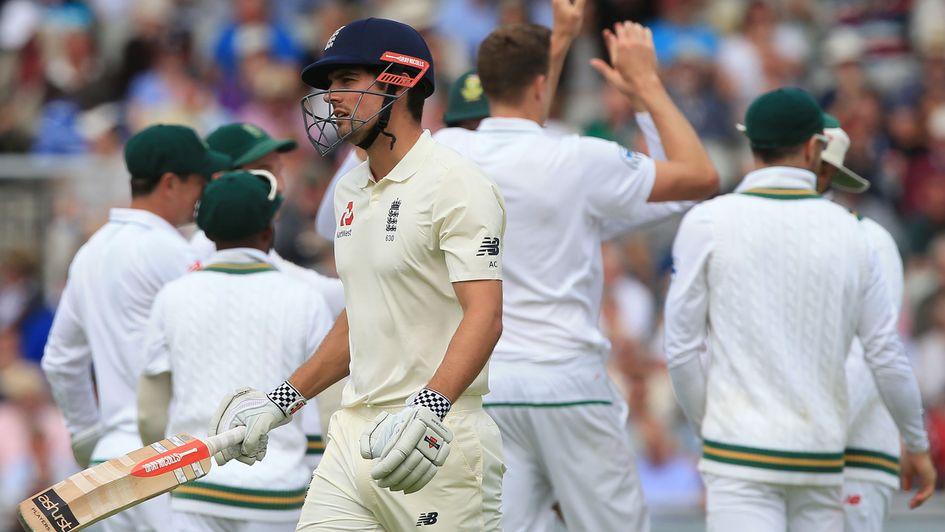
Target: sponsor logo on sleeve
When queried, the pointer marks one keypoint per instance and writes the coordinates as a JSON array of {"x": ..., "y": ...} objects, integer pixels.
[
  {"x": 632, "y": 158},
  {"x": 489, "y": 246},
  {"x": 427, "y": 518}
]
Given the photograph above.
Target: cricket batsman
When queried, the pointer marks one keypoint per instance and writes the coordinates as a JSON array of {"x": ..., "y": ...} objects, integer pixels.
[
  {"x": 418, "y": 248},
  {"x": 871, "y": 459},
  {"x": 239, "y": 320},
  {"x": 787, "y": 280},
  {"x": 102, "y": 318}
]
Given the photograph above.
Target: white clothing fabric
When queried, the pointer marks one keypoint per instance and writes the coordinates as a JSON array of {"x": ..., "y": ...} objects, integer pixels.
[
  {"x": 464, "y": 496},
  {"x": 866, "y": 505},
  {"x": 325, "y": 223},
  {"x": 562, "y": 188},
  {"x": 238, "y": 321},
  {"x": 102, "y": 319},
  {"x": 733, "y": 504},
  {"x": 329, "y": 287},
  {"x": 578, "y": 454},
  {"x": 786, "y": 279},
  {"x": 401, "y": 242},
  {"x": 873, "y": 447},
  {"x": 191, "y": 522}
]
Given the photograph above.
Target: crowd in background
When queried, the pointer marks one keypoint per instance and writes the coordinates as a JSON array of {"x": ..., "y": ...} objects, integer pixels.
[{"x": 77, "y": 78}]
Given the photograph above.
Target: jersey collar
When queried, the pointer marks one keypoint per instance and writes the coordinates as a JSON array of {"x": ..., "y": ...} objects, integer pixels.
[
  {"x": 783, "y": 177},
  {"x": 509, "y": 124},
  {"x": 415, "y": 159},
  {"x": 239, "y": 260},
  {"x": 141, "y": 217}
]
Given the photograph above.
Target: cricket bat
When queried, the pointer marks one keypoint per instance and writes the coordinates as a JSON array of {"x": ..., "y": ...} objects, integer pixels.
[{"x": 108, "y": 488}]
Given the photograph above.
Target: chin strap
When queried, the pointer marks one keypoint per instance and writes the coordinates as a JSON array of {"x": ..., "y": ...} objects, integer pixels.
[{"x": 380, "y": 127}]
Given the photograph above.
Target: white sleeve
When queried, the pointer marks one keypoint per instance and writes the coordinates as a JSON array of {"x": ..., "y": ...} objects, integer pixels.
[
  {"x": 67, "y": 363},
  {"x": 325, "y": 222},
  {"x": 157, "y": 355},
  {"x": 886, "y": 358},
  {"x": 618, "y": 180},
  {"x": 687, "y": 313},
  {"x": 649, "y": 213}
]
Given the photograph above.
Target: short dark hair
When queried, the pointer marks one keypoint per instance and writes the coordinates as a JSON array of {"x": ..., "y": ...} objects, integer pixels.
[
  {"x": 144, "y": 186},
  {"x": 510, "y": 58},
  {"x": 773, "y": 155},
  {"x": 415, "y": 96}
]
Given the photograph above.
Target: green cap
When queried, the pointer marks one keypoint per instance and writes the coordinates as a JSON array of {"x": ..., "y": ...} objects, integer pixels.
[
  {"x": 466, "y": 101},
  {"x": 238, "y": 204},
  {"x": 171, "y": 148},
  {"x": 245, "y": 143},
  {"x": 781, "y": 118}
]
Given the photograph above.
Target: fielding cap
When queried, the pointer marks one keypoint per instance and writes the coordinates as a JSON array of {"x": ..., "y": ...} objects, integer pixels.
[
  {"x": 238, "y": 204},
  {"x": 245, "y": 143},
  {"x": 781, "y": 118},
  {"x": 163, "y": 148},
  {"x": 466, "y": 101},
  {"x": 834, "y": 153}
]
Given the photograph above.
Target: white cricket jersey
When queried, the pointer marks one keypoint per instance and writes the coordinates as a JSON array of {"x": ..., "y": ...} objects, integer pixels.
[
  {"x": 238, "y": 321},
  {"x": 325, "y": 222},
  {"x": 563, "y": 193},
  {"x": 329, "y": 287},
  {"x": 400, "y": 243},
  {"x": 101, "y": 322},
  {"x": 873, "y": 447},
  {"x": 775, "y": 281}
]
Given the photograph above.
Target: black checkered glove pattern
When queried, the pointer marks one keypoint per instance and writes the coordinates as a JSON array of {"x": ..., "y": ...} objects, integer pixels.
[
  {"x": 287, "y": 398},
  {"x": 433, "y": 400}
]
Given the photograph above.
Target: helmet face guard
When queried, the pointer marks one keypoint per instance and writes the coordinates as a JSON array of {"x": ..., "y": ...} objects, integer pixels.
[{"x": 318, "y": 113}]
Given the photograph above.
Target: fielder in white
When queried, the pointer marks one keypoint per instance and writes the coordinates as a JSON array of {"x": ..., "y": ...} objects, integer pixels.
[
  {"x": 418, "y": 248},
  {"x": 238, "y": 320},
  {"x": 564, "y": 425},
  {"x": 871, "y": 459},
  {"x": 113, "y": 279},
  {"x": 251, "y": 148},
  {"x": 771, "y": 284}
]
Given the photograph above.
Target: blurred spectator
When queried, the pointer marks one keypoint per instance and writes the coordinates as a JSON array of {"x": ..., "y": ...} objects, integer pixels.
[
  {"x": 670, "y": 480},
  {"x": 883, "y": 26},
  {"x": 765, "y": 54},
  {"x": 679, "y": 30},
  {"x": 150, "y": 22},
  {"x": 924, "y": 187},
  {"x": 169, "y": 92},
  {"x": 22, "y": 307},
  {"x": 253, "y": 29}
]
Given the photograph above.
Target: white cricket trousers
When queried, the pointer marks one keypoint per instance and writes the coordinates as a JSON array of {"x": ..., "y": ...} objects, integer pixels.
[
  {"x": 464, "y": 496},
  {"x": 742, "y": 505},
  {"x": 193, "y": 522},
  {"x": 865, "y": 505},
  {"x": 579, "y": 455}
]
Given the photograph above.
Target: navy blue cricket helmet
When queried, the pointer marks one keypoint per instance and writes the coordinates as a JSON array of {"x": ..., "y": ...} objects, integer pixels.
[
  {"x": 363, "y": 43},
  {"x": 393, "y": 49}
]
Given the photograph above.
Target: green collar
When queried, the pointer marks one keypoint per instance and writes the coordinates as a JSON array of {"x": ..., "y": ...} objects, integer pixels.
[
  {"x": 240, "y": 268},
  {"x": 782, "y": 193}
]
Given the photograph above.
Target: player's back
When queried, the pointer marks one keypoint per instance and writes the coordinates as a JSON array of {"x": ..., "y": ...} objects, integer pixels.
[
  {"x": 112, "y": 283},
  {"x": 224, "y": 327},
  {"x": 786, "y": 278},
  {"x": 558, "y": 190}
]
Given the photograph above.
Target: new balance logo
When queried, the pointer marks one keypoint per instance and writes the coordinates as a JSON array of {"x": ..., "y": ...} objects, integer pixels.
[
  {"x": 428, "y": 518},
  {"x": 490, "y": 246}
]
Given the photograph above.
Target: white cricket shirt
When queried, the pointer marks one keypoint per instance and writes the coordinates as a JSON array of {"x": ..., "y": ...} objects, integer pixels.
[
  {"x": 329, "y": 287},
  {"x": 561, "y": 191},
  {"x": 237, "y": 322},
  {"x": 102, "y": 319},
  {"x": 775, "y": 281},
  {"x": 400, "y": 243}
]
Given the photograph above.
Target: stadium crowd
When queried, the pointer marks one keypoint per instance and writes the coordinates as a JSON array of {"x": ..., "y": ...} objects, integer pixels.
[{"x": 77, "y": 78}]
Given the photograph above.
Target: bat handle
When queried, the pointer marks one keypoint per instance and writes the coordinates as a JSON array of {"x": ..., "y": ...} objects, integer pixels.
[{"x": 225, "y": 439}]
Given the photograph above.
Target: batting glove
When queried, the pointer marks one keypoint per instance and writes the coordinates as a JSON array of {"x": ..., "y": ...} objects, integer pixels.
[
  {"x": 409, "y": 446},
  {"x": 259, "y": 413},
  {"x": 83, "y": 443}
]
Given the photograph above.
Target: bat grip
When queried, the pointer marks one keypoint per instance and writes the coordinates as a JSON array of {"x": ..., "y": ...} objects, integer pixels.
[{"x": 225, "y": 439}]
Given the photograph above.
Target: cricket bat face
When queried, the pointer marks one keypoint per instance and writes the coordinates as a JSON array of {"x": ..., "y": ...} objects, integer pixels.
[{"x": 103, "y": 490}]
